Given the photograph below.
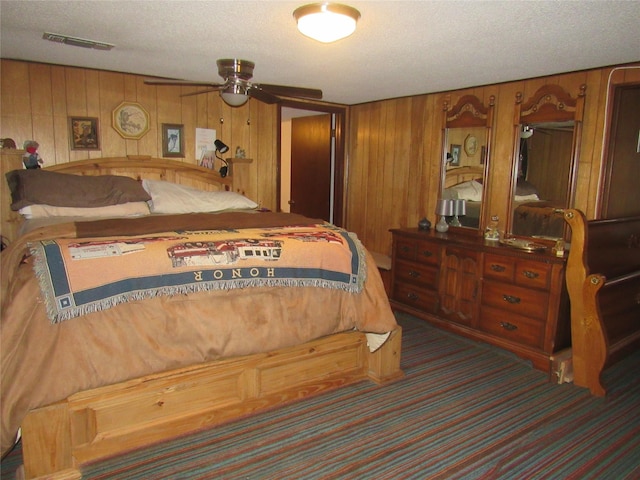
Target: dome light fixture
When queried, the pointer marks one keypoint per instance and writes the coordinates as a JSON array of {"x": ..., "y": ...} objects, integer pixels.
[
  {"x": 326, "y": 22},
  {"x": 235, "y": 94}
]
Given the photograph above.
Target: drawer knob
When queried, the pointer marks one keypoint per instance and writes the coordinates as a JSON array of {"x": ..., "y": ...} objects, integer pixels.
[
  {"x": 412, "y": 296},
  {"x": 511, "y": 299},
  {"x": 427, "y": 253},
  {"x": 414, "y": 274},
  {"x": 530, "y": 274},
  {"x": 497, "y": 268},
  {"x": 508, "y": 326},
  {"x": 405, "y": 249}
]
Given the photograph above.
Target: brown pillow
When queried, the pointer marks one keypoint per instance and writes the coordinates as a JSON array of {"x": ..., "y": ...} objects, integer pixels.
[{"x": 41, "y": 187}]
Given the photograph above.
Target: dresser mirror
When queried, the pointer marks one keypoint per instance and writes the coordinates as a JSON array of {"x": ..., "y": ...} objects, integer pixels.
[
  {"x": 466, "y": 148},
  {"x": 548, "y": 130}
]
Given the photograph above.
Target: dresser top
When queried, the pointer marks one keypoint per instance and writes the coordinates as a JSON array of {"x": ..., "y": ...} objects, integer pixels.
[{"x": 477, "y": 242}]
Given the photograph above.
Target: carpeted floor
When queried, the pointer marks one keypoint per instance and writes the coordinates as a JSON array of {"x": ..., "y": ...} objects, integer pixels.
[{"x": 463, "y": 410}]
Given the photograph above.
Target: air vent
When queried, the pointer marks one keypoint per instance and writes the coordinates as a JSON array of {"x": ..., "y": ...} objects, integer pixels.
[{"x": 77, "y": 42}]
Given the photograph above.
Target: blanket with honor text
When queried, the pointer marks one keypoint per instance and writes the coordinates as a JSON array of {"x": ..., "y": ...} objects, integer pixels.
[{"x": 83, "y": 275}]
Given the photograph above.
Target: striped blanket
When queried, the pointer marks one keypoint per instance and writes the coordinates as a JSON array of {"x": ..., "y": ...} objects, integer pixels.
[{"x": 83, "y": 275}]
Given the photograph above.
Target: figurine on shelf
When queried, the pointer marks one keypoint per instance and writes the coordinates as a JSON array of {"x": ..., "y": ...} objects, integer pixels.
[
  {"x": 240, "y": 153},
  {"x": 492, "y": 233},
  {"x": 31, "y": 159}
]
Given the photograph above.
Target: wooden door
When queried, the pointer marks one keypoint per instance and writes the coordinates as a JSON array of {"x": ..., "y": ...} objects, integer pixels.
[
  {"x": 311, "y": 166},
  {"x": 621, "y": 195}
]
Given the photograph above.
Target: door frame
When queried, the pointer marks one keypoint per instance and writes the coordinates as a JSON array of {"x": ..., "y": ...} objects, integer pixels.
[{"x": 340, "y": 112}]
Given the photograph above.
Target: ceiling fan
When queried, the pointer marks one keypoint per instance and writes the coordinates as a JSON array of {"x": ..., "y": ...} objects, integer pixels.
[{"x": 237, "y": 87}]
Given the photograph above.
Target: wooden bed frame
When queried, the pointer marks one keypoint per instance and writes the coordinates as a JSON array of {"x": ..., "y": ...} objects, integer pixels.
[
  {"x": 454, "y": 176},
  {"x": 58, "y": 439},
  {"x": 603, "y": 281}
]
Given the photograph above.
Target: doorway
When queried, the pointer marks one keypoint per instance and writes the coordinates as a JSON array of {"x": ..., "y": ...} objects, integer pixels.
[
  {"x": 620, "y": 195},
  {"x": 311, "y": 160}
]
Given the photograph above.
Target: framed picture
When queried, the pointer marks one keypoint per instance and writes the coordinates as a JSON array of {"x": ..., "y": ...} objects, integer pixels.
[
  {"x": 130, "y": 120},
  {"x": 83, "y": 133},
  {"x": 470, "y": 145},
  {"x": 455, "y": 155},
  {"x": 172, "y": 140}
]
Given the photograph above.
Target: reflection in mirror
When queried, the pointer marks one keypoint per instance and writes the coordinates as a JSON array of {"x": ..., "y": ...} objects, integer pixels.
[
  {"x": 546, "y": 153},
  {"x": 466, "y": 151}
]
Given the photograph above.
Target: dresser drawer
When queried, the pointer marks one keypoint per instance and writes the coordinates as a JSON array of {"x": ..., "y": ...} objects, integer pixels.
[
  {"x": 417, "y": 250},
  {"x": 528, "y": 273},
  {"x": 420, "y": 298},
  {"x": 416, "y": 273},
  {"x": 498, "y": 267},
  {"x": 533, "y": 274},
  {"x": 512, "y": 327},
  {"x": 515, "y": 299}
]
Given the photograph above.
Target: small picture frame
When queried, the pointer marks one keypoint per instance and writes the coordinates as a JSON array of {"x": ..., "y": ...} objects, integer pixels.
[
  {"x": 455, "y": 155},
  {"x": 83, "y": 133},
  {"x": 172, "y": 140}
]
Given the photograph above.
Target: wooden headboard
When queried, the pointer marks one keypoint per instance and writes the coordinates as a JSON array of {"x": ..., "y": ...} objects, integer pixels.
[
  {"x": 146, "y": 167},
  {"x": 135, "y": 166},
  {"x": 454, "y": 176}
]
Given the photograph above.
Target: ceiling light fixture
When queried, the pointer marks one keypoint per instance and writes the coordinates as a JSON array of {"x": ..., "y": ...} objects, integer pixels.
[
  {"x": 235, "y": 94},
  {"x": 326, "y": 22}
]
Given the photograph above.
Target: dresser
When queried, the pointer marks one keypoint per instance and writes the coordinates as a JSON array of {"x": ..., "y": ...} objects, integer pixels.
[{"x": 510, "y": 298}]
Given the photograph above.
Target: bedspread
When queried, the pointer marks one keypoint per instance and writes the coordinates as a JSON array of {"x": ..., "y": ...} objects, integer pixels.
[{"x": 43, "y": 362}]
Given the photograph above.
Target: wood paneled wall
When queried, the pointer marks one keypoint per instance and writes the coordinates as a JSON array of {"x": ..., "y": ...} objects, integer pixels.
[
  {"x": 37, "y": 99},
  {"x": 395, "y": 147}
]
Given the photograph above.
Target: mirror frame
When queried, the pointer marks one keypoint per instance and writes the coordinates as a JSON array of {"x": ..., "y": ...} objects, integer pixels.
[
  {"x": 550, "y": 103},
  {"x": 468, "y": 112}
]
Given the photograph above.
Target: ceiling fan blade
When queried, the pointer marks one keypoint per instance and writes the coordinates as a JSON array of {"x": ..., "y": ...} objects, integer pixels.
[
  {"x": 184, "y": 83},
  {"x": 287, "y": 91},
  {"x": 198, "y": 92},
  {"x": 262, "y": 95}
]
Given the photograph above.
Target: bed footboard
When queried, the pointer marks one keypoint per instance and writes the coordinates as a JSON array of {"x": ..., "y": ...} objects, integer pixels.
[
  {"x": 107, "y": 421},
  {"x": 603, "y": 281}
]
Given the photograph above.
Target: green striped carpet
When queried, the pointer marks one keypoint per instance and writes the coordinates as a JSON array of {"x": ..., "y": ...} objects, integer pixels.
[{"x": 463, "y": 410}]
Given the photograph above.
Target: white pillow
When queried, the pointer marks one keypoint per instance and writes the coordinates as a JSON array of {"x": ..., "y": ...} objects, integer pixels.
[
  {"x": 526, "y": 198},
  {"x": 167, "y": 197},
  {"x": 471, "y": 191},
  {"x": 129, "y": 209}
]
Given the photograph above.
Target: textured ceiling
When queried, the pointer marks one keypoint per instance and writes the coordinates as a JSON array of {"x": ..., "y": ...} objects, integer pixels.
[{"x": 400, "y": 48}]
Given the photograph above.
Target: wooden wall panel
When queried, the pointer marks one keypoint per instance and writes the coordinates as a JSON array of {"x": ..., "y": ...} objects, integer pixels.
[
  {"x": 37, "y": 99},
  {"x": 367, "y": 158}
]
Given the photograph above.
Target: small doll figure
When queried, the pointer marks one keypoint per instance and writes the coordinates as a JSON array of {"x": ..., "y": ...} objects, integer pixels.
[
  {"x": 492, "y": 233},
  {"x": 31, "y": 159}
]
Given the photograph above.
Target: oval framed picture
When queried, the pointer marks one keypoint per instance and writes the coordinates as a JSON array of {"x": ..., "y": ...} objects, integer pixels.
[
  {"x": 130, "y": 120},
  {"x": 470, "y": 145}
]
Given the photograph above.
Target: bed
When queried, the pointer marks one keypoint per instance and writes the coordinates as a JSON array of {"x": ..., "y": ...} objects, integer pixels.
[
  {"x": 97, "y": 379},
  {"x": 603, "y": 282}
]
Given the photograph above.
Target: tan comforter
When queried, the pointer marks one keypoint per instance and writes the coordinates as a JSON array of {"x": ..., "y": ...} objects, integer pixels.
[{"x": 42, "y": 362}]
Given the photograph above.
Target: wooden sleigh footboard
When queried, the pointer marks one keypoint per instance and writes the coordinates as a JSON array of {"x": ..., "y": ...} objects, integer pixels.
[
  {"x": 603, "y": 281},
  {"x": 58, "y": 439}
]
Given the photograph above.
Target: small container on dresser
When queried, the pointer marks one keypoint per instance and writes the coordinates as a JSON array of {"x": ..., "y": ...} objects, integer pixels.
[
  {"x": 510, "y": 298},
  {"x": 10, "y": 159}
]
